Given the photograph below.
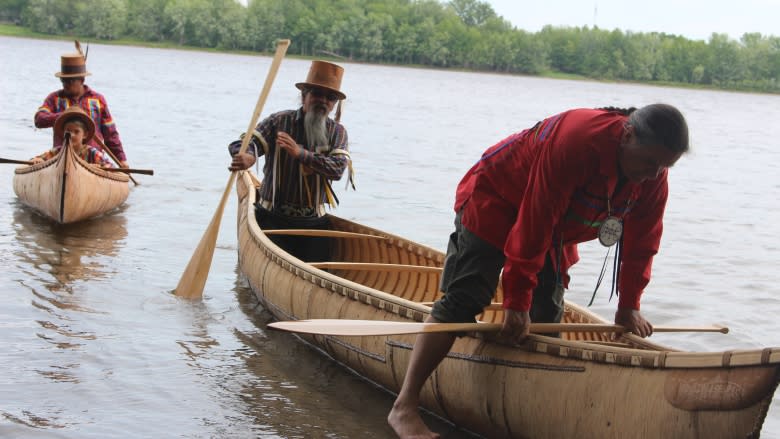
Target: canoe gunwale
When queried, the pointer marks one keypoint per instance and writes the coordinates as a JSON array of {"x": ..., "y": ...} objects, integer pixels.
[{"x": 97, "y": 170}]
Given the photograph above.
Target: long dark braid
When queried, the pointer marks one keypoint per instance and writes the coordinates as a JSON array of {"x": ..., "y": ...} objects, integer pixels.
[{"x": 623, "y": 111}]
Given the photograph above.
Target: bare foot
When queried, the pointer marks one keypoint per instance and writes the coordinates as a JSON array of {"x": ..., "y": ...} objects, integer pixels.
[{"x": 408, "y": 424}]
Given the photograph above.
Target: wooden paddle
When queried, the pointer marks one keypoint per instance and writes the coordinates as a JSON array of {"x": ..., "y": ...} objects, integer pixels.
[
  {"x": 194, "y": 277},
  {"x": 17, "y": 162},
  {"x": 127, "y": 170},
  {"x": 381, "y": 327},
  {"x": 131, "y": 170},
  {"x": 111, "y": 154}
]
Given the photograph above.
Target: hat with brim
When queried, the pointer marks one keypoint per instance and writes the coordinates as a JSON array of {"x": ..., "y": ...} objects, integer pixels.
[
  {"x": 324, "y": 75},
  {"x": 74, "y": 112},
  {"x": 72, "y": 65}
]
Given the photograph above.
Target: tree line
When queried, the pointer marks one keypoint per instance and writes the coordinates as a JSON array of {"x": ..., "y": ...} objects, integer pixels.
[{"x": 463, "y": 34}]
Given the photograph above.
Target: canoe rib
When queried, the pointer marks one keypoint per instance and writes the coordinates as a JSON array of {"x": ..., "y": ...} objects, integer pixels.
[
  {"x": 67, "y": 189},
  {"x": 502, "y": 391}
]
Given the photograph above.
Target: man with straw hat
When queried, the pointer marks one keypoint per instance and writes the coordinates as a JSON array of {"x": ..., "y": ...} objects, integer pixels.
[
  {"x": 305, "y": 150},
  {"x": 73, "y": 70}
]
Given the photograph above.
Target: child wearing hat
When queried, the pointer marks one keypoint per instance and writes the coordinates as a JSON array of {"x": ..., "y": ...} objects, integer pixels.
[{"x": 76, "y": 128}]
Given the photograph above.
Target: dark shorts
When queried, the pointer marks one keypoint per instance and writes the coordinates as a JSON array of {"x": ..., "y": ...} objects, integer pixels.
[
  {"x": 305, "y": 248},
  {"x": 470, "y": 278}
]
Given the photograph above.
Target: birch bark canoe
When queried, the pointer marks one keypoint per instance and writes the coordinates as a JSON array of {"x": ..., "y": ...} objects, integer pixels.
[
  {"x": 67, "y": 189},
  {"x": 584, "y": 384}
]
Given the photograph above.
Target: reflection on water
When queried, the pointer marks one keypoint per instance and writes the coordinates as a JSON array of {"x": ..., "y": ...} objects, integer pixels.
[
  {"x": 68, "y": 252},
  {"x": 293, "y": 393},
  {"x": 52, "y": 258}
]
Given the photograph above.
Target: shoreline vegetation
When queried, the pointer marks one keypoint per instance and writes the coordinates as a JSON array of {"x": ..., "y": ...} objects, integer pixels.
[{"x": 458, "y": 35}]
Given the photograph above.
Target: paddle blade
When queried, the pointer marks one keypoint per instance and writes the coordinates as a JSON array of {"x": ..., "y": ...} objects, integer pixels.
[{"x": 194, "y": 277}]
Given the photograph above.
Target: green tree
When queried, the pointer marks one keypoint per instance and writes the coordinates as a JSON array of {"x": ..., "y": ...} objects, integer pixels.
[
  {"x": 51, "y": 16},
  {"x": 103, "y": 19},
  {"x": 11, "y": 10},
  {"x": 146, "y": 19},
  {"x": 473, "y": 12},
  {"x": 266, "y": 22},
  {"x": 725, "y": 64}
]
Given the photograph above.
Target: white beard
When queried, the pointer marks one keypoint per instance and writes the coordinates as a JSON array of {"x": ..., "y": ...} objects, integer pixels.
[{"x": 314, "y": 127}]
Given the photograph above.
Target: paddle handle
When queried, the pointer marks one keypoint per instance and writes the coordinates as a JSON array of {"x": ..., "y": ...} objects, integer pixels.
[
  {"x": 111, "y": 154},
  {"x": 345, "y": 327},
  {"x": 546, "y": 328},
  {"x": 713, "y": 328},
  {"x": 131, "y": 170},
  {"x": 18, "y": 162},
  {"x": 281, "y": 49}
]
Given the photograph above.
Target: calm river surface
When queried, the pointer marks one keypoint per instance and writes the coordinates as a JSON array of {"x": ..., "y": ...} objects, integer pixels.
[{"x": 94, "y": 345}]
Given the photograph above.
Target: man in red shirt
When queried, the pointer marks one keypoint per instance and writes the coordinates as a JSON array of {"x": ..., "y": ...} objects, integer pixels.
[
  {"x": 524, "y": 207},
  {"x": 72, "y": 72}
]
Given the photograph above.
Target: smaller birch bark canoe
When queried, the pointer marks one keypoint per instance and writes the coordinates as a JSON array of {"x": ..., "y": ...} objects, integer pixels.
[
  {"x": 67, "y": 189},
  {"x": 585, "y": 384}
]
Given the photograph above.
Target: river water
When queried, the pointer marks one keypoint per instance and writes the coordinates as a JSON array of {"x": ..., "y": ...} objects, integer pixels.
[{"x": 95, "y": 346}]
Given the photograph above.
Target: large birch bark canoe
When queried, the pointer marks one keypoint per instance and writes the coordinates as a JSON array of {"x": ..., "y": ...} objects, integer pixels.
[
  {"x": 67, "y": 189},
  {"x": 583, "y": 385}
]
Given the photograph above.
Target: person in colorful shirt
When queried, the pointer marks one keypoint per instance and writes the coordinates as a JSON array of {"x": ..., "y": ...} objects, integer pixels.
[
  {"x": 522, "y": 209},
  {"x": 75, "y": 92},
  {"x": 304, "y": 150},
  {"x": 77, "y": 129}
]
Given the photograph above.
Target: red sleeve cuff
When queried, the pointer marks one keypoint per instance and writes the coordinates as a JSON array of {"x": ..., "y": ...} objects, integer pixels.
[
  {"x": 629, "y": 301},
  {"x": 517, "y": 302}
]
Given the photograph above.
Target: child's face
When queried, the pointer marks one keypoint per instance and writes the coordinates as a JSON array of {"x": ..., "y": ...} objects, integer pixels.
[{"x": 76, "y": 133}]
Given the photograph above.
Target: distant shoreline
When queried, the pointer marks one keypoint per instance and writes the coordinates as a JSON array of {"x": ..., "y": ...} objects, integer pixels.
[{"x": 14, "y": 31}]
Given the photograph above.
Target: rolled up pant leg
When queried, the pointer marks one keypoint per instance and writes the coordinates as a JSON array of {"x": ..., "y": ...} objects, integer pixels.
[{"x": 470, "y": 276}]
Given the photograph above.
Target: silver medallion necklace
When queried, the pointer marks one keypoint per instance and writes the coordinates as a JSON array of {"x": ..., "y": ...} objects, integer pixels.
[{"x": 611, "y": 229}]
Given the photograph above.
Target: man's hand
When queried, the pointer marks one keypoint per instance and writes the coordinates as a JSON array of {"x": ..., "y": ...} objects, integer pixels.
[
  {"x": 634, "y": 322},
  {"x": 287, "y": 143},
  {"x": 242, "y": 161},
  {"x": 123, "y": 164},
  {"x": 517, "y": 325}
]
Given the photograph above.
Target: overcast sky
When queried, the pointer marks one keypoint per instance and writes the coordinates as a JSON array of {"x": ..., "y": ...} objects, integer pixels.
[{"x": 693, "y": 19}]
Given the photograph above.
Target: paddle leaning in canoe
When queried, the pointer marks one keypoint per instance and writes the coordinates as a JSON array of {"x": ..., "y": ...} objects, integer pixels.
[{"x": 597, "y": 386}]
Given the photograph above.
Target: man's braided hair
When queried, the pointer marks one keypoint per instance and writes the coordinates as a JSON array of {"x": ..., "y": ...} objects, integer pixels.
[{"x": 657, "y": 124}]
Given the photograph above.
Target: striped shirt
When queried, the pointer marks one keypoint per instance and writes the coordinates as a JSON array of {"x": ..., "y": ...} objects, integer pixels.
[{"x": 298, "y": 182}]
